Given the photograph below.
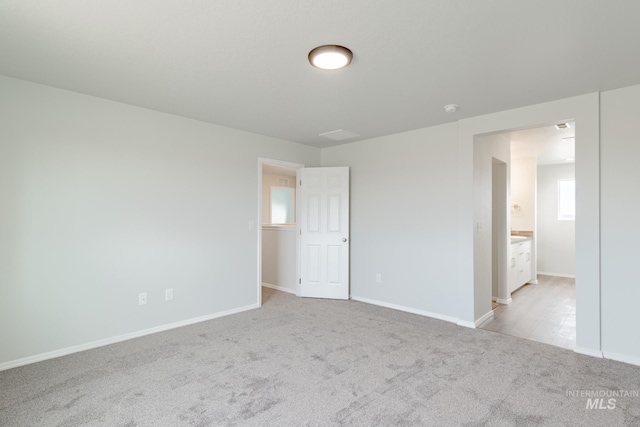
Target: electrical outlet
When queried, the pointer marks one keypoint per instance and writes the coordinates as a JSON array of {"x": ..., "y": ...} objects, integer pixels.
[
  {"x": 168, "y": 294},
  {"x": 378, "y": 278},
  {"x": 142, "y": 298}
]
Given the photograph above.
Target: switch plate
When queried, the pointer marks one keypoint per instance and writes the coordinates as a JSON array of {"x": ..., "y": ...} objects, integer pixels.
[
  {"x": 168, "y": 294},
  {"x": 378, "y": 278},
  {"x": 142, "y": 298}
]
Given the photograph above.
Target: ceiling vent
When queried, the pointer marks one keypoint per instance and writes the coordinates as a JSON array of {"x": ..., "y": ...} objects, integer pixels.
[
  {"x": 339, "y": 135},
  {"x": 563, "y": 126}
]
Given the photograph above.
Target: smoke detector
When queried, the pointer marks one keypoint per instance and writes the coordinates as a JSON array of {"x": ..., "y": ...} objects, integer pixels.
[{"x": 451, "y": 108}]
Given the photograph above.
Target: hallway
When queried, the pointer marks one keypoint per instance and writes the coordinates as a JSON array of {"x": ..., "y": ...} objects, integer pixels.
[{"x": 545, "y": 312}]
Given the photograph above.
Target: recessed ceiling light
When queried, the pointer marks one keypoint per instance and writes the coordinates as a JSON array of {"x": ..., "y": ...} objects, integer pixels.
[
  {"x": 451, "y": 108},
  {"x": 330, "y": 57},
  {"x": 563, "y": 126}
]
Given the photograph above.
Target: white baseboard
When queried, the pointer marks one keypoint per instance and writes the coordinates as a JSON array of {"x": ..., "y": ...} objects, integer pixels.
[
  {"x": 406, "y": 309},
  {"x": 474, "y": 325},
  {"x": 504, "y": 301},
  {"x": 487, "y": 316},
  {"x": 622, "y": 358},
  {"x": 100, "y": 343},
  {"x": 588, "y": 352},
  {"x": 545, "y": 273},
  {"x": 278, "y": 288},
  {"x": 466, "y": 324}
]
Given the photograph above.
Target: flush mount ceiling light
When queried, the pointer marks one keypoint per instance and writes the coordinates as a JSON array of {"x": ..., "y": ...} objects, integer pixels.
[{"x": 330, "y": 57}]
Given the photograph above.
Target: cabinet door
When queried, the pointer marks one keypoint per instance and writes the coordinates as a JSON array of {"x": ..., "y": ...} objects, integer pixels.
[
  {"x": 527, "y": 270},
  {"x": 513, "y": 269},
  {"x": 524, "y": 262}
]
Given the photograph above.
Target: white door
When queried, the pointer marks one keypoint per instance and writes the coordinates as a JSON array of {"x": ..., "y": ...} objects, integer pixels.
[{"x": 324, "y": 232}]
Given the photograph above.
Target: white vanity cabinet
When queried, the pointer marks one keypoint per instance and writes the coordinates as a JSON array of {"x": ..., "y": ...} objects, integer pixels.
[{"x": 520, "y": 267}]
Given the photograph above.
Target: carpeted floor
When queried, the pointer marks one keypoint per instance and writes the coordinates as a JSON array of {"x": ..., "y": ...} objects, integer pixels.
[{"x": 298, "y": 362}]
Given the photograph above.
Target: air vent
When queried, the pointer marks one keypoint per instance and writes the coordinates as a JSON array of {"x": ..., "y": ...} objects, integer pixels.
[
  {"x": 563, "y": 126},
  {"x": 339, "y": 135}
]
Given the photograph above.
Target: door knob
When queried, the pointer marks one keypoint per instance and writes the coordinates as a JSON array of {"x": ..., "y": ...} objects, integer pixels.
[{"x": 344, "y": 239}]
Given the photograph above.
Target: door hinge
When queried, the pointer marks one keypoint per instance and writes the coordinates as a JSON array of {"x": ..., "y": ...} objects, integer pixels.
[
  {"x": 301, "y": 231},
  {"x": 300, "y": 183},
  {"x": 300, "y": 281}
]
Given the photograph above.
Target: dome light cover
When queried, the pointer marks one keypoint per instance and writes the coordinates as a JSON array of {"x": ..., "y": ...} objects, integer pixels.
[{"x": 330, "y": 57}]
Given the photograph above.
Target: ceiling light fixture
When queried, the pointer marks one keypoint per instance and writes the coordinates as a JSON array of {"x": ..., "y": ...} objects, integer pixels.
[
  {"x": 330, "y": 57},
  {"x": 451, "y": 108}
]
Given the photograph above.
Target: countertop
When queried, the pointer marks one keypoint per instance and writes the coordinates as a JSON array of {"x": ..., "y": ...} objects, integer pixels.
[{"x": 519, "y": 239}]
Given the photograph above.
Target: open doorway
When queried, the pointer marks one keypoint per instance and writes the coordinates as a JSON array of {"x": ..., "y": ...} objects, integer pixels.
[
  {"x": 303, "y": 250},
  {"x": 540, "y": 301},
  {"x": 585, "y": 110},
  {"x": 278, "y": 216}
]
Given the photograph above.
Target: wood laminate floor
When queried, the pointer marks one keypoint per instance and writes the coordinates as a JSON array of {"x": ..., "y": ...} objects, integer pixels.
[{"x": 545, "y": 312}]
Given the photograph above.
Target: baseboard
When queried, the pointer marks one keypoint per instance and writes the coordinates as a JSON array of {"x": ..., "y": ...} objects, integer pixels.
[
  {"x": 487, "y": 316},
  {"x": 278, "y": 288},
  {"x": 107, "y": 341},
  {"x": 504, "y": 301},
  {"x": 588, "y": 352},
  {"x": 622, "y": 358},
  {"x": 466, "y": 324},
  {"x": 545, "y": 273},
  {"x": 405, "y": 309}
]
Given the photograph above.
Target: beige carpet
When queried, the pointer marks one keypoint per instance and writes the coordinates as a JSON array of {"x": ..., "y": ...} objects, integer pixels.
[{"x": 298, "y": 362}]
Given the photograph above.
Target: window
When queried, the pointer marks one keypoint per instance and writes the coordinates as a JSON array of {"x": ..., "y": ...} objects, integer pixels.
[
  {"x": 566, "y": 200},
  {"x": 283, "y": 205}
]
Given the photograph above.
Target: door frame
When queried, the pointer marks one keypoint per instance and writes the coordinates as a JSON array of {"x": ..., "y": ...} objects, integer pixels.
[
  {"x": 272, "y": 162},
  {"x": 585, "y": 110}
]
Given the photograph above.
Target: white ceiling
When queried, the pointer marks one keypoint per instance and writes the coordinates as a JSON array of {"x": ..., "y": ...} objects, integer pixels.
[
  {"x": 545, "y": 143},
  {"x": 243, "y": 64}
]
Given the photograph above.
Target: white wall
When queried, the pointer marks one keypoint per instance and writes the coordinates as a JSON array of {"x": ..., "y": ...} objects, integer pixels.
[
  {"x": 485, "y": 149},
  {"x": 555, "y": 239},
  {"x": 523, "y": 193},
  {"x": 269, "y": 180},
  {"x": 279, "y": 257},
  {"x": 100, "y": 201},
  {"x": 620, "y": 232},
  {"x": 403, "y": 218}
]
